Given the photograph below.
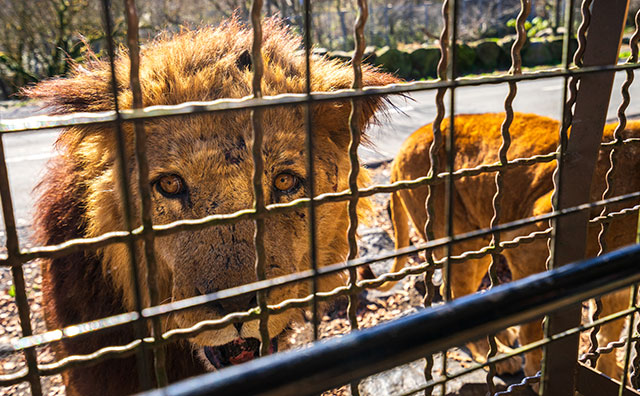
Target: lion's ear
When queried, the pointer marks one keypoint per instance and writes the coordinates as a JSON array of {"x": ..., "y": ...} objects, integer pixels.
[
  {"x": 82, "y": 91},
  {"x": 334, "y": 116}
]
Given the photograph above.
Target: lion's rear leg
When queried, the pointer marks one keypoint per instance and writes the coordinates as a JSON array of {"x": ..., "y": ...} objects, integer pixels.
[
  {"x": 523, "y": 261},
  {"x": 465, "y": 279},
  {"x": 610, "y": 332}
]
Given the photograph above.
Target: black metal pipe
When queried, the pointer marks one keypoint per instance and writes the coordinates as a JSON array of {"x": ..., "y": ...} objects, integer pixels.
[{"x": 331, "y": 363}]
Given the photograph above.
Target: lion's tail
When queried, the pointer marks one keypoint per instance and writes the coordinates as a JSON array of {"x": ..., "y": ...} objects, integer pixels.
[{"x": 400, "y": 223}]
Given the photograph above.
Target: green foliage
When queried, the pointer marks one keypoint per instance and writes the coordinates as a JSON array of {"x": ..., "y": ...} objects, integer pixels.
[
  {"x": 538, "y": 24},
  {"x": 532, "y": 27},
  {"x": 12, "y": 291}
]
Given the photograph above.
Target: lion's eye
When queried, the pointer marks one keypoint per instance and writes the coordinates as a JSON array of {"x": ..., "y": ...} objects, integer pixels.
[
  {"x": 171, "y": 185},
  {"x": 285, "y": 182}
]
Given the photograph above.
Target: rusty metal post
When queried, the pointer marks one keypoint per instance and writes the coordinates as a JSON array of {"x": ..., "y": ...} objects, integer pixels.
[{"x": 603, "y": 45}]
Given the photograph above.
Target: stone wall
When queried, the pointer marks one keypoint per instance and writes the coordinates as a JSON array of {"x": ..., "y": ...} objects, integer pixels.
[{"x": 476, "y": 57}]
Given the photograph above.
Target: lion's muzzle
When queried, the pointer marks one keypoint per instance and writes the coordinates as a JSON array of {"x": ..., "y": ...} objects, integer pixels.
[{"x": 238, "y": 351}]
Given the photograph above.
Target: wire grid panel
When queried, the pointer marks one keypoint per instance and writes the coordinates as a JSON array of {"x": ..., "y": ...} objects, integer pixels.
[{"x": 155, "y": 340}]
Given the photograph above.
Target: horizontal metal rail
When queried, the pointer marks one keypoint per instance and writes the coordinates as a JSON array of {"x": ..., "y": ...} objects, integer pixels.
[
  {"x": 74, "y": 245},
  {"x": 331, "y": 363},
  {"x": 289, "y": 99},
  {"x": 193, "y": 302}
]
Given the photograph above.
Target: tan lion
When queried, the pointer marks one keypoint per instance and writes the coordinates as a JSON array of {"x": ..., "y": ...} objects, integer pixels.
[
  {"x": 200, "y": 165},
  {"x": 527, "y": 192}
]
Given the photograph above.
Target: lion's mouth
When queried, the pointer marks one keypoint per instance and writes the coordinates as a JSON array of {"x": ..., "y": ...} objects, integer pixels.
[{"x": 238, "y": 351}]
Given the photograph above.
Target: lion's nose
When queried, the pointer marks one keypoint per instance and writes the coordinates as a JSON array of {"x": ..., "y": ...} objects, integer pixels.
[{"x": 240, "y": 303}]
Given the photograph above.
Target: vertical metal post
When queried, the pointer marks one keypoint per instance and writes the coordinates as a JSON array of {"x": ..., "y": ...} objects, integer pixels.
[
  {"x": 258, "y": 171},
  {"x": 13, "y": 250},
  {"x": 313, "y": 253},
  {"x": 451, "y": 153},
  {"x": 140, "y": 139},
  {"x": 139, "y": 325},
  {"x": 579, "y": 159},
  {"x": 516, "y": 68},
  {"x": 435, "y": 147},
  {"x": 355, "y": 130},
  {"x": 556, "y": 17}
]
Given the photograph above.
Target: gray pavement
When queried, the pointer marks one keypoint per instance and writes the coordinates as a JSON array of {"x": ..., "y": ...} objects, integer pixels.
[{"x": 543, "y": 97}]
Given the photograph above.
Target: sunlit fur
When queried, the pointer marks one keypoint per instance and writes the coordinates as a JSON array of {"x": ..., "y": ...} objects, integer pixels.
[
  {"x": 80, "y": 196},
  {"x": 526, "y": 192}
]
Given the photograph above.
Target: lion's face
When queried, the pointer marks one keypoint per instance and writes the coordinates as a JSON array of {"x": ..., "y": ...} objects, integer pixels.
[{"x": 203, "y": 165}]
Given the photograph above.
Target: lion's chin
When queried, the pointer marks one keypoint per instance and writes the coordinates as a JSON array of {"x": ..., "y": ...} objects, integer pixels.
[{"x": 238, "y": 351}]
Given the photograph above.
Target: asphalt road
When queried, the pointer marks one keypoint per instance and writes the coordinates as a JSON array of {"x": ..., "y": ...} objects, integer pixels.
[{"x": 27, "y": 153}]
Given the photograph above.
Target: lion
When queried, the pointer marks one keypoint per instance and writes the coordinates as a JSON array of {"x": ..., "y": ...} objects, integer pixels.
[
  {"x": 200, "y": 165},
  {"x": 526, "y": 192}
]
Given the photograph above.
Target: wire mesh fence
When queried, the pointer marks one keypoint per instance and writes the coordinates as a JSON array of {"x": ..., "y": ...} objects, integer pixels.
[{"x": 587, "y": 82}]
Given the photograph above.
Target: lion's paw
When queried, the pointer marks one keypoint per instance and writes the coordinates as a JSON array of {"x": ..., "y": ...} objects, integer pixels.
[{"x": 509, "y": 366}]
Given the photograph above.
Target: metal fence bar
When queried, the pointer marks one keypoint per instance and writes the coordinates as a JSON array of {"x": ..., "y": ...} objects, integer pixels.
[
  {"x": 121, "y": 159},
  {"x": 328, "y": 364},
  {"x": 633, "y": 303},
  {"x": 436, "y": 144},
  {"x": 568, "y": 100},
  {"x": 165, "y": 309},
  {"x": 355, "y": 129},
  {"x": 313, "y": 254},
  {"x": 249, "y": 102},
  {"x": 258, "y": 171},
  {"x": 450, "y": 165},
  {"x": 633, "y": 58},
  {"x": 13, "y": 249},
  {"x": 83, "y": 360},
  {"x": 260, "y": 211},
  {"x": 140, "y": 143},
  {"x": 74, "y": 245},
  {"x": 605, "y": 35},
  {"x": 516, "y": 68},
  {"x": 613, "y": 159}
]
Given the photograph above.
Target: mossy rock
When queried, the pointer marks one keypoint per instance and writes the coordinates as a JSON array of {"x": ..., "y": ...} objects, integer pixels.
[
  {"x": 369, "y": 55},
  {"x": 537, "y": 53},
  {"x": 487, "y": 54},
  {"x": 556, "y": 45},
  {"x": 424, "y": 62},
  {"x": 342, "y": 56},
  {"x": 466, "y": 57},
  {"x": 394, "y": 61},
  {"x": 505, "y": 44}
]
